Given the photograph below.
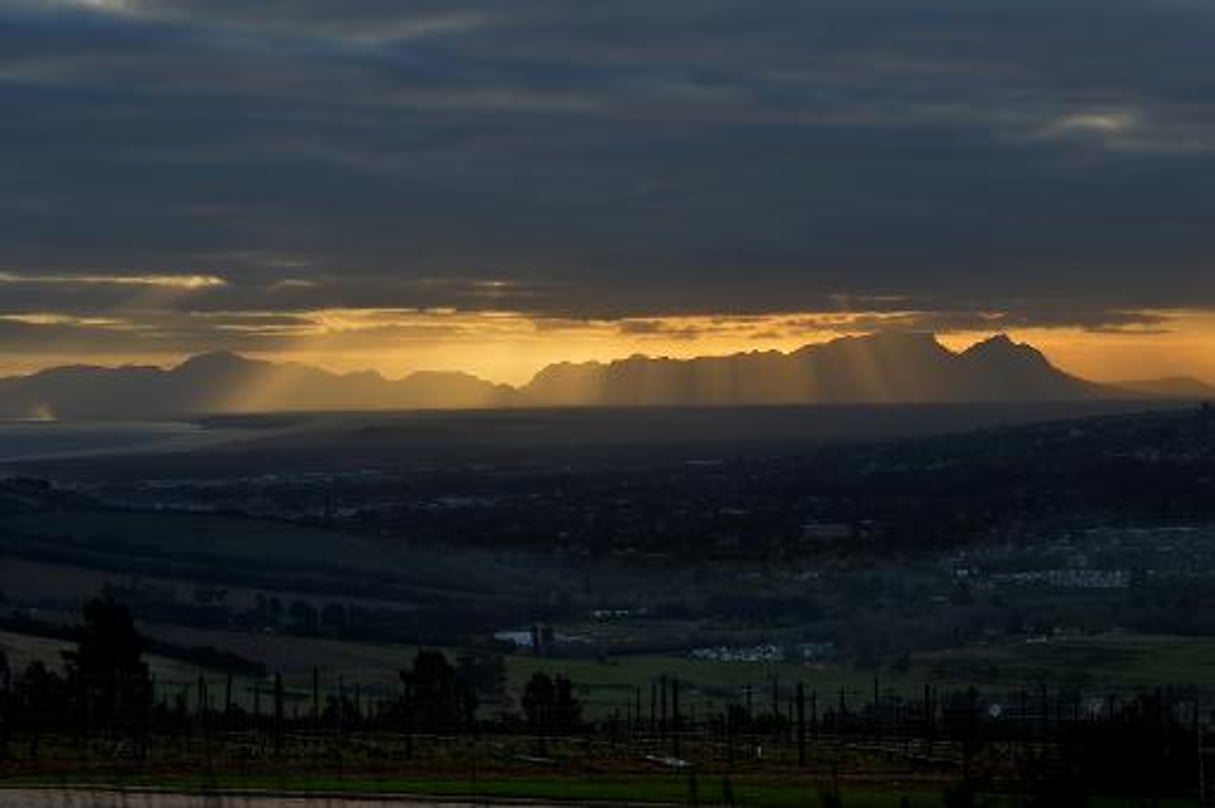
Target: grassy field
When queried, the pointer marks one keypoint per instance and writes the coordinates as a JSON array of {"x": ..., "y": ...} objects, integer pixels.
[
  {"x": 1100, "y": 665},
  {"x": 1113, "y": 661},
  {"x": 21, "y": 650},
  {"x": 1097, "y": 664}
]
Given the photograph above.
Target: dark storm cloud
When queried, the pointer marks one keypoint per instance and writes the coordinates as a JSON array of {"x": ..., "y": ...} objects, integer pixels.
[{"x": 613, "y": 159}]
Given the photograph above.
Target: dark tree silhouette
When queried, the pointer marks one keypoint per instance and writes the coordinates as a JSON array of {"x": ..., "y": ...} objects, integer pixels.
[
  {"x": 550, "y": 704},
  {"x": 436, "y": 697},
  {"x": 106, "y": 672}
]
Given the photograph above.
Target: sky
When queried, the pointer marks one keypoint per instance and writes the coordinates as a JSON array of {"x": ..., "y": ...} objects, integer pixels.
[{"x": 495, "y": 185}]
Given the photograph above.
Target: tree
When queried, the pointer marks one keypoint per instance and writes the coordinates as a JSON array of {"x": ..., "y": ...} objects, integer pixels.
[
  {"x": 436, "y": 696},
  {"x": 550, "y": 704},
  {"x": 106, "y": 672},
  {"x": 304, "y": 618}
]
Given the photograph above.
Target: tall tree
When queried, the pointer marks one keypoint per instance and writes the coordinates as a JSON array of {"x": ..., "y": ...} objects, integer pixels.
[
  {"x": 106, "y": 671},
  {"x": 438, "y": 699},
  {"x": 550, "y": 704}
]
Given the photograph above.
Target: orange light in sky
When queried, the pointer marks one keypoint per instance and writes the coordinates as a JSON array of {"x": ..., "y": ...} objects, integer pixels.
[{"x": 510, "y": 347}]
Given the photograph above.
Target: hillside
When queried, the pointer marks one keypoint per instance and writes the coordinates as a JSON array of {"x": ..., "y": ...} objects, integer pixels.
[{"x": 225, "y": 382}]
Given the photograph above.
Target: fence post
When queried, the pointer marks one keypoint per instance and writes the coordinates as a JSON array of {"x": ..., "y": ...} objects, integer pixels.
[
  {"x": 675, "y": 724},
  {"x": 228, "y": 701},
  {"x": 801, "y": 725},
  {"x": 316, "y": 699},
  {"x": 278, "y": 714}
]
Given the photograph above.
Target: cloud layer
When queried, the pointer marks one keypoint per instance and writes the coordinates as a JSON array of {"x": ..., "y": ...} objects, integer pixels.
[{"x": 1039, "y": 162}]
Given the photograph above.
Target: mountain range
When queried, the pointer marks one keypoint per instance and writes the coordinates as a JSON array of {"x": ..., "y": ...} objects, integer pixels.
[{"x": 880, "y": 368}]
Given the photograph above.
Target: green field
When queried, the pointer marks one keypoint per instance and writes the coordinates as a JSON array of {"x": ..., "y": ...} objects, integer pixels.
[
  {"x": 1100, "y": 665},
  {"x": 608, "y": 684},
  {"x": 1113, "y": 661}
]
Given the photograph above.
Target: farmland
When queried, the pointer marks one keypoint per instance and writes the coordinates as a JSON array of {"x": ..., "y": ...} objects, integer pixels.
[{"x": 882, "y": 587}]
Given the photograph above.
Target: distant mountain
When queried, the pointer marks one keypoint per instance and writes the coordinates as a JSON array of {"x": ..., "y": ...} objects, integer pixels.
[
  {"x": 882, "y": 368},
  {"x": 1185, "y": 387},
  {"x": 226, "y": 382}
]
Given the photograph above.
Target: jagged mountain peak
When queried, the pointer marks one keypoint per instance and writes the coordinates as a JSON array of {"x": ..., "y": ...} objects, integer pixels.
[
  {"x": 215, "y": 360},
  {"x": 885, "y": 367},
  {"x": 999, "y": 343},
  {"x": 1003, "y": 349},
  {"x": 920, "y": 341}
]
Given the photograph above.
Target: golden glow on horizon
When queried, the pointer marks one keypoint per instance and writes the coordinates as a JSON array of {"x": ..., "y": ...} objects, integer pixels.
[
  {"x": 509, "y": 347},
  {"x": 504, "y": 346}
]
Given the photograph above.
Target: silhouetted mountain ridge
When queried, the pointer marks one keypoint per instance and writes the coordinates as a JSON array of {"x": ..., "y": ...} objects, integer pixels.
[
  {"x": 880, "y": 368},
  {"x": 226, "y": 382}
]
